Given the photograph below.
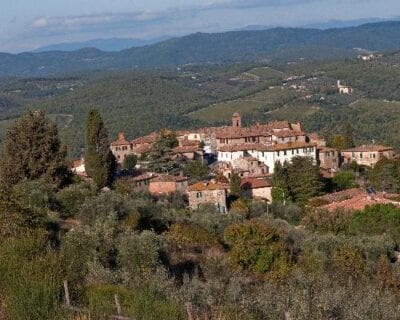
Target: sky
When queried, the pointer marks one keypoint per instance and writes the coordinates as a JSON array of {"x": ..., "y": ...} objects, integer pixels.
[{"x": 28, "y": 24}]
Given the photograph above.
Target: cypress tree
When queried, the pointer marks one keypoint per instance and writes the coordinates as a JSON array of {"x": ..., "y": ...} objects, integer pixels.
[
  {"x": 99, "y": 161},
  {"x": 32, "y": 150},
  {"x": 348, "y": 136}
]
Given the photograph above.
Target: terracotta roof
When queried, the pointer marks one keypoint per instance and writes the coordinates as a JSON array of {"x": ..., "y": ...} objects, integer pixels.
[
  {"x": 146, "y": 176},
  {"x": 341, "y": 195},
  {"x": 359, "y": 202},
  {"x": 185, "y": 149},
  {"x": 326, "y": 149},
  {"x": 150, "y": 138},
  {"x": 142, "y": 149},
  {"x": 185, "y": 143},
  {"x": 243, "y": 147},
  {"x": 290, "y": 146},
  {"x": 169, "y": 178},
  {"x": 121, "y": 141},
  {"x": 207, "y": 185},
  {"x": 288, "y": 133},
  {"x": 369, "y": 148},
  {"x": 266, "y": 148},
  {"x": 253, "y": 183}
]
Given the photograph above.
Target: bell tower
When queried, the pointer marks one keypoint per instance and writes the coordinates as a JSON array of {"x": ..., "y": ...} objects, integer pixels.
[{"x": 236, "y": 120}]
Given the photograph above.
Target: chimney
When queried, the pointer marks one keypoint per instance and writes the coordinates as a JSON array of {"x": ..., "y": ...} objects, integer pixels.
[{"x": 121, "y": 136}]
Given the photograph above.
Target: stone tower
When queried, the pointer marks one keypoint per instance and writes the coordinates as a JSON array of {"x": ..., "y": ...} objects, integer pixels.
[{"x": 236, "y": 120}]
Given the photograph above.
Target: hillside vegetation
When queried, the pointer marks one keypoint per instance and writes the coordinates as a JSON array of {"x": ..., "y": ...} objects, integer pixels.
[
  {"x": 279, "y": 44},
  {"x": 194, "y": 96}
]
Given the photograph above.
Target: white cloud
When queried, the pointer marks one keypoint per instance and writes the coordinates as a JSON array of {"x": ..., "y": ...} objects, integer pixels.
[{"x": 40, "y": 23}]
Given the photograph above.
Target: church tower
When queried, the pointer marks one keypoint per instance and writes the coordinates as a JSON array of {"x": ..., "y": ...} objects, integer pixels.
[{"x": 236, "y": 120}]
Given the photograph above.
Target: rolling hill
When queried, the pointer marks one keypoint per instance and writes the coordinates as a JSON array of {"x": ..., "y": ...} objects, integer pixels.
[{"x": 279, "y": 44}]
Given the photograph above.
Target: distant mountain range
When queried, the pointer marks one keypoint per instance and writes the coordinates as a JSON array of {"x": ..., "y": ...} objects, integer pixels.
[
  {"x": 282, "y": 44},
  {"x": 108, "y": 45}
]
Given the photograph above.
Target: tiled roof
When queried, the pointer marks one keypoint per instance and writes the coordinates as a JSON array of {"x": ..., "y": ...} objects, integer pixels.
[
  {"x": 146, "y": 176},
  {"x": 184, "y": 149},
  {"x": 207, "y": 185},
  {"x": 341, "y": 195},
  {"x": 326, "y": 149},
  {"x": 142, "y": 149},
  {"x": 291, "y": 145},
  {"x": 169, "y": 178},
  {"x": 151, "y": 138},
  {"x": 253, "y": 183},
  {"x": 288, "y": 133},
  {"x": 359, "y": 202},
  {"x": 121, "y": 141},
  {"x": 243, "y": 147},
  {"x": 369, "y": 148},
  {"x": 266, "y": 148}
]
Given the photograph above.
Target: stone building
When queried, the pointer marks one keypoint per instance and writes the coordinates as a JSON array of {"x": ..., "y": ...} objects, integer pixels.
[
  {"x": 328, "y": 159},
  {"x": 121, "y": 148},
  {"x": 367, "y": 155},
  {"x": 268, "y": 154},
  {"x": 208, "y": 193},
  {"x": 164, "y": 184},
  {"x": 257, "y": 189}
]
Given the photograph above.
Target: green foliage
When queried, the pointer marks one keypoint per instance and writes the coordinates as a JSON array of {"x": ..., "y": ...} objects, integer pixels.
[
  {"x": 190, "y": 236},
  {"x": 234, "y": 185},
  {"x": 255, "y": 246},
  {"x": 33, "y": 150},
  {"x": 72, "y": 197},
  {"x": 100, "y": 163},
  {"x": 348, "y": 136},
  {"x": 139, "y": 254},
  {"x": 130, "y": 163},
  {"x": 298, "y": 181},
  {"x": 376, "y": 220},
  {"x": 196, "y": 170},
  {"x": 29, "y": 279},
  {"x": 345, "y": 180},
  {"x": 161, "y": 155},
  {"x": 385, "y": 175}
]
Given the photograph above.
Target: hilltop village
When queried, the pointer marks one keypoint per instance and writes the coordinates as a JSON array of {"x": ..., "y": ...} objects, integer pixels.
[{"x": 249, "y": 155}]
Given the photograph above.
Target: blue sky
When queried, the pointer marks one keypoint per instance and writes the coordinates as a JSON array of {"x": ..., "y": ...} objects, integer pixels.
[{"x": 28, "y": 24}]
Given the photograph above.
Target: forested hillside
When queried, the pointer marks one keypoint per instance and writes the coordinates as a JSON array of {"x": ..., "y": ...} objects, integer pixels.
[
  {"x": 141, "y": 102},
  {"x": 279, "y": 44}
]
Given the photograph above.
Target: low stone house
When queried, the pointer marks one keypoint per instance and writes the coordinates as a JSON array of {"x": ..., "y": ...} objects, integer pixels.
[
  {"x": 257, "y": 189},
  {"x": 164, "y": 184},
  {"x": 249, "y": 167},
  {"x": 367, "y": 155},
  {"x": 142, "y": 182},
  {"x": 207, "y": 192}
]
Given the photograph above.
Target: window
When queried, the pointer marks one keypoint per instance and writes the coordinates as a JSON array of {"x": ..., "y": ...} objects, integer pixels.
[
  {"x": 297, "y": 151},
  {"x": 284, "y": 153},
  {"x": 199, "y": 195},
  {"x": 277, "y": 153},
  {"x": 292, "y": 152},
  {"x": 361, "y": 155}
]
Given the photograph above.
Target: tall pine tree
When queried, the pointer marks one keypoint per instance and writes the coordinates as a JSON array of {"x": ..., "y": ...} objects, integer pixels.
[
  {"x": 100, "y": 163},
  {"x": 32, "y": 150}
]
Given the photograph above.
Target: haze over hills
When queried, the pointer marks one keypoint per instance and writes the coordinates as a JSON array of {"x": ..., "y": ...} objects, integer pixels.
[
  {"x": 108, "y": 45},
  {"x": 282, "y": 44}
]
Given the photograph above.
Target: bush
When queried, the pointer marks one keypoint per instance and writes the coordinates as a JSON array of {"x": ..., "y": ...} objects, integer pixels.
[{"x": 73, "y": 197}]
